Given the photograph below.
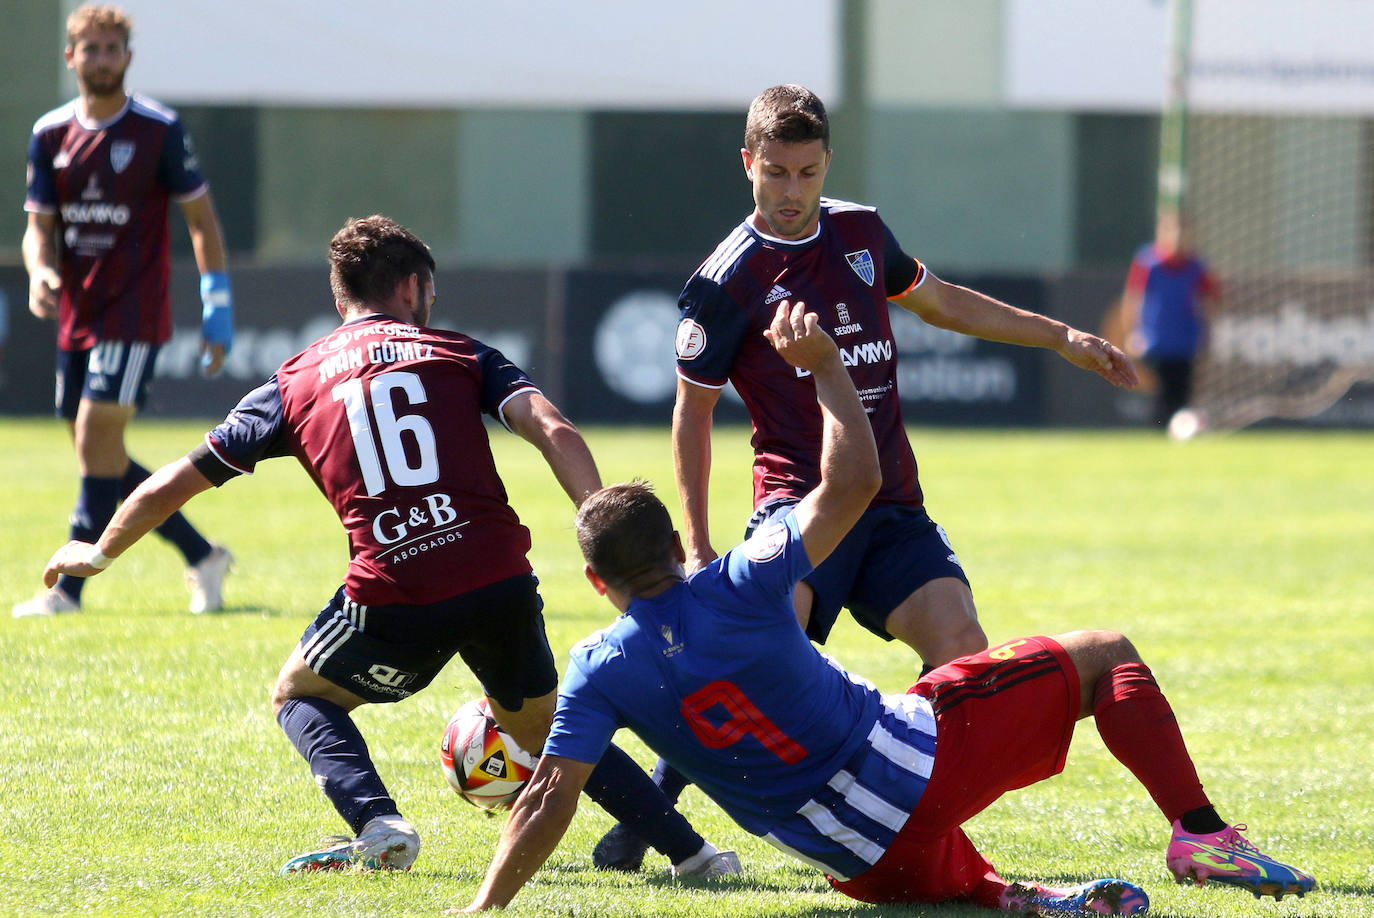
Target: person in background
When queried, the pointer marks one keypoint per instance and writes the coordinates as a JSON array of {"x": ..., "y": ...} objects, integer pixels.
[
  {"x": 102, "y": 172},
  {"x": 1168, "y": 297}
]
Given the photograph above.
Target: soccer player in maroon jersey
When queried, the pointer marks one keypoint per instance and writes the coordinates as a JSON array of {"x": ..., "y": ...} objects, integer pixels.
[
  {"x": 896, "y": 571},
  {"x": 102, "y": 171},
  {"x": 385, "y": 415}
]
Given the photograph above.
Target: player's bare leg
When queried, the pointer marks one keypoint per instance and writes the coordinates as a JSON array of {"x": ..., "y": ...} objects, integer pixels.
[
  {"x": 939, "y": 621},
  {"x": 98, "y": 434},
  {"x": 529, "y": 726},
  {"x": 313, "y": 712},
  {"x": 297, "y": 680},
  {"x": 99, "y": 437}
]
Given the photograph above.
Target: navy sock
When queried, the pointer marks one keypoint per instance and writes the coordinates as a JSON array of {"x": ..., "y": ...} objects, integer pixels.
[
  {"x": 326, "y": 736},
  {"x": 622, "y": 789},
  {"x": 669, "y": 780},
  {"x": 95, "y": 505},
  {"x": 176, "y": 529}
]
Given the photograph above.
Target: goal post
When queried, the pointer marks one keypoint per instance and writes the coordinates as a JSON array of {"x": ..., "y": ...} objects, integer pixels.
[{"x": 1267, "y": 138}]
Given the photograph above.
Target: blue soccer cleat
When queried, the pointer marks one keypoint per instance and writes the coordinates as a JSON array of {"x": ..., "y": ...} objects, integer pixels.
[{"x": 1100, "y": 897}]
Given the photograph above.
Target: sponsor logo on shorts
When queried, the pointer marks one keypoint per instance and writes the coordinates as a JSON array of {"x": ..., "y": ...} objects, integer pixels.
[
  {"x": 390, "y": 675},
  {"x": 379, "y": 688}
]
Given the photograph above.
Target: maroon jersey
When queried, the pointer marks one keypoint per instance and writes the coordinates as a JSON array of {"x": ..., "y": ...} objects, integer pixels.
[
  {"x": 845, "y": 273},
  {"x": 109, "y": 184},
  {"x": 387, "y": 419}
]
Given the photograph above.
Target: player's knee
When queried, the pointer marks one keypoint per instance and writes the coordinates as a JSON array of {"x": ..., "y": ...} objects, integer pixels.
[{"x": 1110, "y": 647}]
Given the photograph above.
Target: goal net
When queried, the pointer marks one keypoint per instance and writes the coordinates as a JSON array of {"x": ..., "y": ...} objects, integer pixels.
[{"x": 1268, "y": 141}]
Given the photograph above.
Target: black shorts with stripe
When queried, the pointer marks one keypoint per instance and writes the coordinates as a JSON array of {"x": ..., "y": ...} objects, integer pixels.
[
  {"x": 388, "y": 653},
  {"x": 111, "y": 371}
]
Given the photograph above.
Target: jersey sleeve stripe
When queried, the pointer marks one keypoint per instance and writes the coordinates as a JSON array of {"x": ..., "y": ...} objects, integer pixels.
[
  {"x": 153, "y": 109},
  {"x": 215, "y": 451},
  {"x": 920, "y": 279},
  {"x": 55, "y": 117},
  {"x": 698, "y": 381},
  {"x": 726, "y": 255},
  {"x": 501, "y": 408},
  {"x": 198, "y": 191}
]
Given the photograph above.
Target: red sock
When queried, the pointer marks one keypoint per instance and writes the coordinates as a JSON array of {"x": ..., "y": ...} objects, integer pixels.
[{"x": 1139, "y": 728}]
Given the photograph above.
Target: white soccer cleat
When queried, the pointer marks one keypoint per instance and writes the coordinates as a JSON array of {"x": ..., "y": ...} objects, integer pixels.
[
  {"x": 386, "y": 843},
  {"x": 206, "y": 580},
  {"x": 720, "y": 864},
  {"x": 48, "y": 603}
]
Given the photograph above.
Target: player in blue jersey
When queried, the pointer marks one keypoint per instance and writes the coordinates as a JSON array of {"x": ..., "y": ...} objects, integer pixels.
[
  {"x": 712, "y": 672},
  {"x": 386, "y": 416},
  {"x": 1169, "y": 293},
  {"x": 102, "y": 172},
  {"x": 896, "y": 572}
]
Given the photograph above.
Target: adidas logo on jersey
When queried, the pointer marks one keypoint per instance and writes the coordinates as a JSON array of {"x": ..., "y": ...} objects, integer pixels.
[{"x": 779, "y": 292}]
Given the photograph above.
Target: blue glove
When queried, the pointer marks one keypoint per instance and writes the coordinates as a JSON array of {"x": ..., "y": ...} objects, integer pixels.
[{"x": 217, "y": 318}]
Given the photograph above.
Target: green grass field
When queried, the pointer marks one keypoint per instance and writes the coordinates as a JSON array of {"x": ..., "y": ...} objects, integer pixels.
[{"x": 143, "y": 773}]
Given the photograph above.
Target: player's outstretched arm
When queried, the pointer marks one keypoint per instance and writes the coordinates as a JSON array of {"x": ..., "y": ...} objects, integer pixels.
[
  {"x": 535, "y": 418},
  {"x": 165, "y": 491},
  {"x": 538, "y": 819},
  {"x": 693, "y": 413},
  {"x": 969, "y": 312},
  {"x": 850, "y": 474}
]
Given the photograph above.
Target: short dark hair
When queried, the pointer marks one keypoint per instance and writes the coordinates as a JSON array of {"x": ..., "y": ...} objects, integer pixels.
[
  {"x": 370, "y": 256},
  {"x": 786, "y": 114},
  {"x": 624, "y": 532}
]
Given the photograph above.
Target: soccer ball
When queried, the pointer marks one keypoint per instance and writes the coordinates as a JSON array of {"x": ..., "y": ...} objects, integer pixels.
[{"x": 483, "y": 764}]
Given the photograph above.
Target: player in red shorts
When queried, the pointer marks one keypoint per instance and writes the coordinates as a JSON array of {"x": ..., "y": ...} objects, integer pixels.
[
  {"x": 712, "y": 672},
  {"x": 896, "y": 572}
]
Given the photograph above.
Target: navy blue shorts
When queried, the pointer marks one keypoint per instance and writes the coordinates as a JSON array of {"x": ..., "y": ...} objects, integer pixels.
[
  {"x": 890, "y": 553},
  {"x": 112, "y": 371},
  {"x": 388, "y": 653}
]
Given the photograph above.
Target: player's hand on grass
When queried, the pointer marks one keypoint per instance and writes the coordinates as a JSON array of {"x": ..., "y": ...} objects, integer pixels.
[
  {"x": 44, "y": 286},
  {"x": 1099, "y": 355},
  {"x": 76, "y": 559},
  {"x": 799, "y": 339}
]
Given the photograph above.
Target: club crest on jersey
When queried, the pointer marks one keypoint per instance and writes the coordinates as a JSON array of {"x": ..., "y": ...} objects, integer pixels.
[
  {"x": 121, "y": 154},
  {"x": 862, "y": 263},
  {"x": 691, "y": 339}
]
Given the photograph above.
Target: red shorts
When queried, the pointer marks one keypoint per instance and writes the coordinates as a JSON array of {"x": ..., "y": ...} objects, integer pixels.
[{"x": 1004, "y": 719}]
